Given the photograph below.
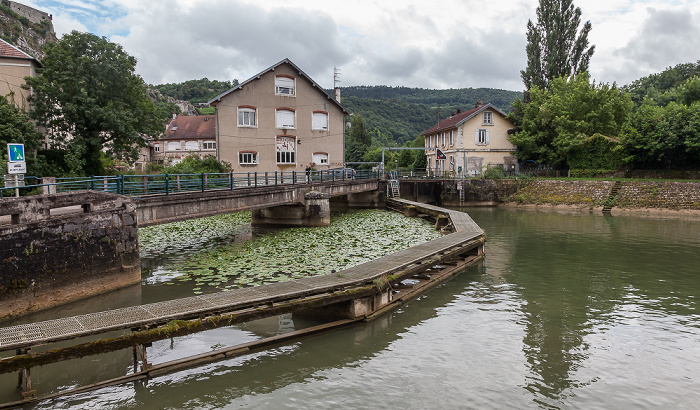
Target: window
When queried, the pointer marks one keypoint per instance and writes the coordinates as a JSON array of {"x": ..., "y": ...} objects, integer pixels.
[
  {"x": 488, "y": 117},
  {"x": 286, "y": 149},
  {"x": 284, "y": 86},
  {"x": 191, "y": 146},
  {"x": 247, "y": 158},
  {"x": 320, "y": 158},
  {"x": 452, "y": 138},
  {"x": 285, "y": 119},
  {"x": 443, "y": 139},
  {"x": 246, "y": 116},
  {"x": 174, "y": 146},
  {"x": 208, "y": 145},
  {"x": 481, "y": 137},
  {"x": 452, "y": 163},
  {"x": 320, "y": 120},
  {"x": 156, "y": 148}
]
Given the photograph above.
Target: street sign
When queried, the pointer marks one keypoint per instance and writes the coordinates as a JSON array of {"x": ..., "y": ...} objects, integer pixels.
[
  {"x": 15, "y": 152},
  {"x": 440, "y": 155},
  {"x": 459, "y": 185},
  {"x": 14, "y": 181},
  {"x": 17, "y": 167}
]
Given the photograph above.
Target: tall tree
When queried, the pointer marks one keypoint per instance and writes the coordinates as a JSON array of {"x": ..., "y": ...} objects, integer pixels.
[
  {"x": 555, "y": 47},
  {"x": 89, "y": 98}
]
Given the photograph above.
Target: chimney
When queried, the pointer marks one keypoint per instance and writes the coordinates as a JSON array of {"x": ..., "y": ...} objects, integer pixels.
[
  {"x": 337, "y": 94},
  {"x": 479, "y": 103},
  {"x": 459, "y": 110}
]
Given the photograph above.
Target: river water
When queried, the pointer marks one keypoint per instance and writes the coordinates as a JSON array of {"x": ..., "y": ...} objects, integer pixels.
[{"x": 567, "y": 310}]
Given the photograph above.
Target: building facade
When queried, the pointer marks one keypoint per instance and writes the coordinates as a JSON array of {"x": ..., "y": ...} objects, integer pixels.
[
  {"x": 470, "y": 142},
  {"x": 279, "y": 120},
  {"x": 185, "y": 136},
  {"x": 15, "y": 64}
]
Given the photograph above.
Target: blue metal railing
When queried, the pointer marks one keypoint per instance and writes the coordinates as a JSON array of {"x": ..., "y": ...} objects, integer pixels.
[{"x": 166, "y": 184}]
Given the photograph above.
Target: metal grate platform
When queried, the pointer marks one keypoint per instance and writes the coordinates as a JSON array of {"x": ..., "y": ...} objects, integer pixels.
[{"x": 34, "y": 334}]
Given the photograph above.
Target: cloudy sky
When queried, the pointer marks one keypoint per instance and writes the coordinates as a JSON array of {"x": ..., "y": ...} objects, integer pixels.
[{"x": 413, "y": 43}]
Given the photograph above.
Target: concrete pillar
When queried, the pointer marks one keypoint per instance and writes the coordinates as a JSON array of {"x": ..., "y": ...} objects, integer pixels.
[
  {"x": 48, "y": 189},
  {"x": 315, "y": 211},
  {"x": 350, "y": 309},
  {"x": 370, "y": 199}
]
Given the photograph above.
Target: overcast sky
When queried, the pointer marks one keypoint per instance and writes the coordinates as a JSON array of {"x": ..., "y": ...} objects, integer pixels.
[{"x": 413, "y": 43}]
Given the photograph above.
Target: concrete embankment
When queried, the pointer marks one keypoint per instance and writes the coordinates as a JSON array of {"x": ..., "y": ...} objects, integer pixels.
[{"x": 633, "y": 195}]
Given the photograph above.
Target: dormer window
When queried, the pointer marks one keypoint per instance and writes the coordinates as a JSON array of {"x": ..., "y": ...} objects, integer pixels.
[
  {"x": 284, "y": 86},
  {"x": 488, "y": 118}
]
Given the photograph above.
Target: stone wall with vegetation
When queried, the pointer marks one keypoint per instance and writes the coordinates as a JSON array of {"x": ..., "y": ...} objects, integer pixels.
[
  {"x": 677, "y": 195},
  {"x": 673, "y": 195},
  {"x": 561, "y": 192}
]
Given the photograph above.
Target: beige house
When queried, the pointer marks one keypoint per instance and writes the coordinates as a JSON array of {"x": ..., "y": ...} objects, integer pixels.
[
  {"x": 470, "y": 141},
  {"x": 15, "y": 64},
  {"x": 184, "y": 136},
  {"x": 279, "y": 120}
]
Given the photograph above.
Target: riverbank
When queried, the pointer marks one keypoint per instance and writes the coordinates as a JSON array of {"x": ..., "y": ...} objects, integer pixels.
[{"x": 622, "y": 196}]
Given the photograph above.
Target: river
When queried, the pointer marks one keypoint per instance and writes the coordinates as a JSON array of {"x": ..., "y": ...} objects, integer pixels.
[{"x": 567, "y": 310}]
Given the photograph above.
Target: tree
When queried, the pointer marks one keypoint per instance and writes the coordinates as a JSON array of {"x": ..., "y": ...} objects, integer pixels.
[
  {"x": 15, "y": 127},
  {"x": 555, "y": 48},
  {"x": 558, "y": 122},
  {"x": 89, "y": 98},
  {"x": 358, "y": 141}
]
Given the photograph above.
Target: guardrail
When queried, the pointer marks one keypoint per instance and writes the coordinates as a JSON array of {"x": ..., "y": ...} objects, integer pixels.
[{"x": 166, "y": 184}]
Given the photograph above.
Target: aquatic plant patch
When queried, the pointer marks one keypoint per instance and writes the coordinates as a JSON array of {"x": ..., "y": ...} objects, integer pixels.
[{"x": 279, "y": 254}]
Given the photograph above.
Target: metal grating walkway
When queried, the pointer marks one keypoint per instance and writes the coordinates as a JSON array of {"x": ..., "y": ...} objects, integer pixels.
[{"x": 33, "y": 334}]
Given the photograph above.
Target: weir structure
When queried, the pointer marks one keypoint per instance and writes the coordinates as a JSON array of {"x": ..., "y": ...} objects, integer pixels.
[
  {"x": 62, "y": 247},
  {"x": 359, "y": 293}
]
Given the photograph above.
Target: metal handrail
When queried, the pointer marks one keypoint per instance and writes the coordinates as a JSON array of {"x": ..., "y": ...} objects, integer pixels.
[{"x": 166, "y": 184}]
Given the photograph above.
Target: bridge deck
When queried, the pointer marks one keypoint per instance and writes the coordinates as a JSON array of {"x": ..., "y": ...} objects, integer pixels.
[{"x": 34, "y": 334}]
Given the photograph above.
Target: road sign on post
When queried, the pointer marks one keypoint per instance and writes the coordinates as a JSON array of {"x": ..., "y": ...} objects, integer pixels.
[
  {"x": 15, "y": 152},
  {"x": 440, "y": 155},
  {"x": 17, "y": 167}
]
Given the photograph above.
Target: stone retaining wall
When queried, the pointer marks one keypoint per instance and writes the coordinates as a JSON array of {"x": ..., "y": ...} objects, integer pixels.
[
  {"x": 671, "y": 195},
  {"x": 64, "y": 247},
  {"x": 674, "y": 195}
]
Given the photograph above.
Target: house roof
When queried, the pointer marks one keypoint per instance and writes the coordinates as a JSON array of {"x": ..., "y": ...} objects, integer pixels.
[
  {"x": 191, "y": 127},
  {"x": 218, "y": 98},
  {"x": 456, "y": 120},
  {"x": 7, "y": 50}
]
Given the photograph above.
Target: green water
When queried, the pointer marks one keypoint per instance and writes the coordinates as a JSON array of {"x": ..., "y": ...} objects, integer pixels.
[{"x": 566, "y": 311}]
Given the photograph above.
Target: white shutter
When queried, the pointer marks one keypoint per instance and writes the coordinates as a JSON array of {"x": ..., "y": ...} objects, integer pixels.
[
  {"x": 285, "y": 119},
  {"x": 476, "y": 137},
  {"x": 487, "y": 137},
  {"x": 320, "y": 121}
]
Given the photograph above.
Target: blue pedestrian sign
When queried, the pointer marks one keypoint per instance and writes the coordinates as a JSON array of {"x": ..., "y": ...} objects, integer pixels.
[{"x": 15, "y": 152}]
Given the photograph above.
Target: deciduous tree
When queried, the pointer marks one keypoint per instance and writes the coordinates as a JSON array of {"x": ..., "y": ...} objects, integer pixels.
[{"x": 89, "y": 98}]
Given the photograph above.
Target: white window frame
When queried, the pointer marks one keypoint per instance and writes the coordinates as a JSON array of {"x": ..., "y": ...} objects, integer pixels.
[
  {"x": 244, "y": 120},
  {"x": 283, "y": 117},
  {"x": 248, "y": 158},
  {"x": 452, "y": 138},
  {"x": 208, "y": 145},
  {"x": 320, "y": 158},
  {"x": 442, "y": 139},
  {"x": 319, "y": 121},
  {"x": 156, "y": 148},
  {"x": 192, "y": 146},
  {"x": 481, "y": 137},
  {"x": 174, "y": 146},
  {"x": 285, "y": 148},
  {"x": 487, "y": 118},
  {"x": 285, "y": 86}
]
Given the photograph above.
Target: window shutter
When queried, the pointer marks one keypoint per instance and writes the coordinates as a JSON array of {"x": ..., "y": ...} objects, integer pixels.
[
  {"x": 476, "y": 137},
  {"x": 487, "y": 137}
]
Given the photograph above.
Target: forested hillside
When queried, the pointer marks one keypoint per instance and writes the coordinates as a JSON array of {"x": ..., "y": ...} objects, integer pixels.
[
  {"x": 195, "y": 91},
  {"x": 403, "y": 113}
]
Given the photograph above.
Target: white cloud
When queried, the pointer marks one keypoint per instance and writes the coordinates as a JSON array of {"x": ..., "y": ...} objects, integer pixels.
[{"x": 415, "y": 43}]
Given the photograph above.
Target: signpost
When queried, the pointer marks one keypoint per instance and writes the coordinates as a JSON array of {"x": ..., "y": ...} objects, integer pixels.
[{"x": 16, "y": 166}]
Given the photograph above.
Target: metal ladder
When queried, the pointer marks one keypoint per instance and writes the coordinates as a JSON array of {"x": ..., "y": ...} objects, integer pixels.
[
  {"x": 461, "y": 193},
  {"x": 393, "y": 187}
]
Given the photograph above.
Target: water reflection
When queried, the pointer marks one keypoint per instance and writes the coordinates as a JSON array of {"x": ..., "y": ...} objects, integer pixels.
[{"x": 583, "y": 274}]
